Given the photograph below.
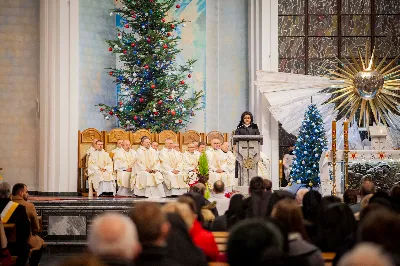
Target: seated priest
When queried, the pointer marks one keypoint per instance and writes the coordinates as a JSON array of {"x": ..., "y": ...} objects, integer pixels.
[
  {"x": 202, "y": 147},
  {"x": 124, "y": 159},
  {"x": 191, "y": 163},
  {"x": 177, "y": 148},
  {"x": 154, "y": 145},
  {"x": 100, "y": 171},
  {"x": 216, "y": 163},
  {"x": 147, "y": 181},
  {"x": 196, "y": 145},
  {"x": 93, "y": 147},
  {"x": 172, "y": 169},
  {"x": 228, "y": 164},
  {"x": 120, "y": 143}
]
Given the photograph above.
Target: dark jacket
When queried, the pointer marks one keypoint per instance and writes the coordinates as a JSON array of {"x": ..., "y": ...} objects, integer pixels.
[
  {"x": 250, "y": 130},
  {"x": 155, "y": 256},
  {"x": 21, "y": 221},
  {"x": 220, "y": 224},
  {"x": 115, "y": 261},
  {"x": 302, "y": 250}
]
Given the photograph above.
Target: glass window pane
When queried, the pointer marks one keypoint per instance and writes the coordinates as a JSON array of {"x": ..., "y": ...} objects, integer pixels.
[
  {"x": 291, "y": 7},
  {"x": 356, "y": 25},
  {"x": 353, "y": 44},
  {"x": 296, "y": 66},
  {"x": 387, "y": 45},
  {"x": 387, "y": 6},
  {"x": 291, "y": 25},
  {"x": 387, "y": 25},
  {"x": 356, "y": 6},
  {"x": 322, "y": 7},
  {"x": 317, "y": 67},
  {"x": 291, "y": 47},
  {"x": 322, "y": 47},
  {"x": 323, "y": 26}
]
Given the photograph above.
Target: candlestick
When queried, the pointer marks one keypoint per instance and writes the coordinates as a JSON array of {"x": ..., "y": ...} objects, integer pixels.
[
  {"x": 346, "y": 152},
  {"x": 333, "y": 157}
]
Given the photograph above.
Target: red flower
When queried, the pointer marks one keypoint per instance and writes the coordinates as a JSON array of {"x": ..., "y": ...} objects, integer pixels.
[{"x": 228, "y": 195}]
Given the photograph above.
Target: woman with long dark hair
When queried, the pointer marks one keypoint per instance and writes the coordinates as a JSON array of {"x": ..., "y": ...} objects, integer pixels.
[
  {"x": 234, "y": 214},
  {"x": 246, "y": 125}
]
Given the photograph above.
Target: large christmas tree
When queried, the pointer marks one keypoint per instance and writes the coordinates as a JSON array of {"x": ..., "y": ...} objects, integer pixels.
[
  {"x": 153, "y": 93},
  {"x": 310, "y": 144}
]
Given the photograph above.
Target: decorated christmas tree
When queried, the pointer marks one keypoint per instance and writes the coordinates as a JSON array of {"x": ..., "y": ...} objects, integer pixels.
[
  {"x": 153, "y": 93},
  {"x": 310, "y": 144}
]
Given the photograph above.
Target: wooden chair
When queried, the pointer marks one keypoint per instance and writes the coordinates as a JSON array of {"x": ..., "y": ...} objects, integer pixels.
[
  {"x": 189, "y": 137},
  {"x": 221, "y": 238},
  {"x": 167, "y": 134},
  {"x": 135, "y": 137},
  {"x": 111, "y": 138},
  {"x": 216, "y": 135},
  {"x": 218, "y": 264},
  {"x": 328, "y": 258}
]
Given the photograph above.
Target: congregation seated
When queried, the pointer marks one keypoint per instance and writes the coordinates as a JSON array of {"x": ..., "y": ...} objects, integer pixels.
[
  {"x": 14, "y": 213},
  {"x": 233, "y": 215},
  {"x": 256, "y": 204},
  {"x": 20, "y": 195},
  {"x": 218, "y": 196},
  {"x": 124, "y": 160},
  {"x": 208, "y": 209},
  {"x": 367, "y": 187}
]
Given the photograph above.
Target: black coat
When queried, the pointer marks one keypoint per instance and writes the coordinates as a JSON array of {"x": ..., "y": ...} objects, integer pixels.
[
  {"x": 21, "y": 221},
  {"x": 250, "y": 130},
  {"x": 155, "y": 256}
]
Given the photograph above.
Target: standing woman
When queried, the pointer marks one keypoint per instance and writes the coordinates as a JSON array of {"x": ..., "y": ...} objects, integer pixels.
[{"x": 246, "y": 125}]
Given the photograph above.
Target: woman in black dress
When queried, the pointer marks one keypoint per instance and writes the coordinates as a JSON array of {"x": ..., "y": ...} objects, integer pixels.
[{"x": 246, "y": 125}]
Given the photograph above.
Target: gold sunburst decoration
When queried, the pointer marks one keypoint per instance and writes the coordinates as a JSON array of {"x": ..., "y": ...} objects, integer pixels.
[{"x": 369, "y": 86}]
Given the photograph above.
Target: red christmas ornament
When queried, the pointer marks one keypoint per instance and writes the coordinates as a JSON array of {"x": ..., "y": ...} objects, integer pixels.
[
  {"x": 170, "y": 96},
  {"x": 169, "y": 111},
  {"x": 178, "y": 6},
  {"x": 155, "y": 113},
  {"x": 111, "y": 112},
  {"x": 124, "y": 52},
  {"x": 146, "y": 66},
  {"x": 132, "y": 12},
  {"x": 169, "y": 33},
  {"x": 101, "y": 109},
  {"x": 165, "y": 46},
  {"x": 180, "y": 121},
  {"x": 173, "y": 112},
  {"x": 148, "y": 40},
  {"x": 126, "y": 25},
  {"x": 134, "y": 16},
  {"x": 163, "y": 19},
  {"x": 189, "y": 76},
  {"x": 110, "y": 73},
  {"x": 153, "y": 86},
  {"x": 135, "y": 117},
  {"x": 182, "y": 82},
  {"x": 110, "y": 49},
  {"x": 120, "y": 103},
  {"x": 133, "y": 44},
  {"x": 159, "y": 102},
  {"x": 172, "y": 26},
  {"x": 141, "y": 100}
]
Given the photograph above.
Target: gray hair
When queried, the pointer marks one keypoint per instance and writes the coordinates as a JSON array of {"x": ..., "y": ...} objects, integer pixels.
[
  {"x": 113, "y": 234},
  {"x": 366, "y": 254},
  {"x": 5, "y": 190}
]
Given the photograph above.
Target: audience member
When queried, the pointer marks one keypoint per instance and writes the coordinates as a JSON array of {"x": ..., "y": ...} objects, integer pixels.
[
  {"x": 395, "y": 192},
  {"x": 268, "y": 184},
  {"x": 219, "y": 197},
  {"x": 364, "y": 203},
  {"x": 233, "y": 215},
  {"x": 201, "y": 237},
  {"x": 5, "y": 256},
  {"x": 366, "y": 254},
  {"x": 20, "y": 195},
  {"x": 350, "y": 196},
  {"x": 207, "y": 209},
  {"x": 275, "y": 198},
  {"x": 12, "y": 212},
  {"x": 328, "y": 200},
  {"x": 367, "y": 187},
  {"x": 153, "y": 228},
  {"x": 288, "y": 214},
  {"x": 312, "y": 212},
  {"x": 113, "y": 239},
  {"x": 300, "y": 195},
  {"x": 256, "y": 204}
]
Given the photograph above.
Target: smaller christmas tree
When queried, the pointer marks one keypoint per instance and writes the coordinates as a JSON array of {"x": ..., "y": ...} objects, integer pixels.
[
  {"x": 203, "y": 168},
  {"x": 310, "y": 144}
]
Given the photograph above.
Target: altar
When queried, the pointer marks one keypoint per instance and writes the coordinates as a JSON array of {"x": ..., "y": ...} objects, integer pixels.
[{"x": 380, "y": 166}]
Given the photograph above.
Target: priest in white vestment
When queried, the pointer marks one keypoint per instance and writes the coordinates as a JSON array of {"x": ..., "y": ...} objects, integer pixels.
[
  {"x": 124, "y": 159},
  {"x": 93, "y": 147},
  {"x": 191, "y": 163},
  {"x": 175, "y": 177},
  {"x": 147, "y": 181},
  {"x": 264, "y": 166},
  {"x": 100, "y": 171},
  {"x": 228, "y": 165},
  {"x": 288, "y": 161},
  {"x": 216, "y": 163},
  {"x": 202, "y": 147},
  {"x": 120, "y": 144},
  {"x": 154, "y": 145}
]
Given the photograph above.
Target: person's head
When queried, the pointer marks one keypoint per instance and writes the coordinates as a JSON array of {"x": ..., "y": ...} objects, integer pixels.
[
  {"x": 275, "y": 198},
  {"x": 99, "y": 145},
  {"x": 367, "y": 187},
  {"x": 5, "y": 190},
  {"x": 21, "y": 190},
  {"x": 291, "y": 147},
  {"x": 251, "y": 241},
  {"x": 268, "y": 184},
  {"x": 195, "y": 208},
  {"x": 145, "y": 142},
  {"x": 381, "y": 226},
  {"x": 151, "y": 223},
  {"x": 395, "y": 192},
  {"x": 199, "y": 188},
  {"x": 191, "y": 148},
  {"x": 94, "y": 143},
  {"x": 246, "y": 118},
  {"x": 176, "y": 147},
  {"x": 183, "y": 210},
  {"x": 202, "y": 147},
  {"x": 225, "y": 146},
  {"x": 300, "y": 195},
  {"x": 120, "y": 143},
  {"x": 327, "y": 200},
  {"x": 312, "y": 206},
  {"x": 215, "y": 144},
  {"x": 154, "y": 145},
  {"x": 114, "y": 235},
  {"x": 219, "y": 187},
  {"x": 169, "y": 144},
  {"x": 195, "y": 145},
  {"x": 257, "y": 185},
  {"x": 350, "y": 196},
  {"x": 289, "y": 215},
  {"x": 126, "y": 145},
  {"x": 366, "y": 254}
]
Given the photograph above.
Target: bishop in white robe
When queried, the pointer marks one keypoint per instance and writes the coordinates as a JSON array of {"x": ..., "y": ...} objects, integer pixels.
[
  {"x": 175, "y": 179},
  {"x": 100, "y": 171},
  {"x": 147, "y": 181},
  {"x": 120, "y": 144},
  {"x": 218, "y": 169},
  {"x": 124, "y": 159},
  {"x": 191, "y": 163}
]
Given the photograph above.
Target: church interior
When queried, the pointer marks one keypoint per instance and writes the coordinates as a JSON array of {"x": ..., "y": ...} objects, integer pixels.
[{"x": 200, "y": 132}]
